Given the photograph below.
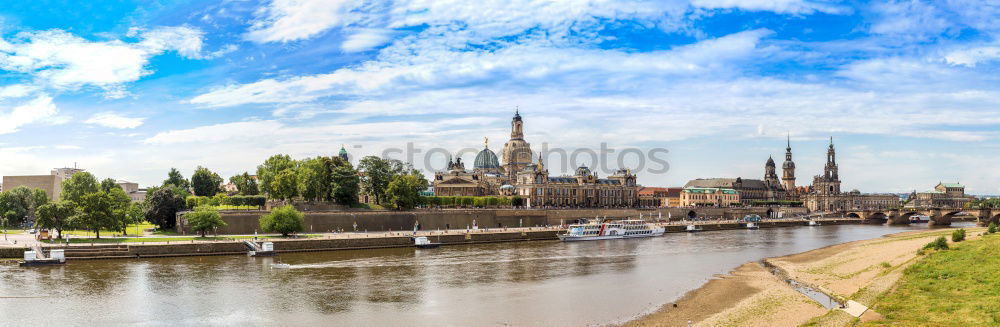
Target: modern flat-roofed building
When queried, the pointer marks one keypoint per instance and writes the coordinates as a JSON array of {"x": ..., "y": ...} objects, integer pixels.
[{"x": 51, "y": 184}]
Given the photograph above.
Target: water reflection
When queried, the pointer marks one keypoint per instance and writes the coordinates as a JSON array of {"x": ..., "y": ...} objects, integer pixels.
[{"x": 525, "y": 284}]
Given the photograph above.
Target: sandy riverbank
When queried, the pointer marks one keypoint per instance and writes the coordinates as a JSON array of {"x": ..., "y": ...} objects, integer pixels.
[{"x": 752, "y": 296}]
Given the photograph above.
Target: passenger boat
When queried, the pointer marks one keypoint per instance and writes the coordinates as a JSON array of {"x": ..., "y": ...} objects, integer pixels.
[
  {"x": 422, "y": 242},
  {"x": 693, "y": 229},
  {"x": 752, "y": 226},
  {"x": 610, "y": 230},
  {"x": 814, "y": 223}
]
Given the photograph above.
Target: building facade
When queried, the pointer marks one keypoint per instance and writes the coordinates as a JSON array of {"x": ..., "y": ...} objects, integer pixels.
[
  {"x": 825, "y": 194},
  {"x": 944, "y": 195},
  {"x": 134, "y": 192},
  {"x": 751, "y": 191},
  {"x": 583, "y": 189},
  {"x": 709, "y": 197},
  {"x": 518, "y": 174}
]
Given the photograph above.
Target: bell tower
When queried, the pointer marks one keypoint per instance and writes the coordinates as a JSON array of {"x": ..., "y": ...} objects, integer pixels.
[{"x": 788, "y": 168}]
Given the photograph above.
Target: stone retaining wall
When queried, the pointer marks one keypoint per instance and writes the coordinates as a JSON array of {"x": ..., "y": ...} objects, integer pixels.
[{"x": 247, "y": 222}]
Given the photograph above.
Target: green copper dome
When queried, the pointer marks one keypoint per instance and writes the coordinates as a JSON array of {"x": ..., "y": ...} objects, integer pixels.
[{"x": 486, "y": 159}]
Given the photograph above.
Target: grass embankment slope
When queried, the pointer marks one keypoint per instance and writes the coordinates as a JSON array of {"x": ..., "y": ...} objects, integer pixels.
[{"x": 955, "y": 287}]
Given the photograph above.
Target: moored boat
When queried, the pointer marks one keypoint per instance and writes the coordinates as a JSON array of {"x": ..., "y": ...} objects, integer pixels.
[
  {"x": 422, "y": 242},
  {"x": 752, "y": 226},
  {"x": 692, "y": 228},
  {"x": 611, "y": 230}
]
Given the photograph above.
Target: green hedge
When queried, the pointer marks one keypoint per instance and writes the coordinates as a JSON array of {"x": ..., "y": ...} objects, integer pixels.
[
  {"x": 225, "y": 200},
  {"x": 470, "y": 201}
]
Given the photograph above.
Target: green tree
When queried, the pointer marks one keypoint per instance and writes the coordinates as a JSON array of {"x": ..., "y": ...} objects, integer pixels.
[
  {"x": 404, "y": 190},
  {"x": 203, "y": 220},
  {"x": 107, "y": 184},
  {"x": 285, "y": 220},
  {"x": 55, "y": 215},
  {"x": 96, "y": 212},
  {"x": 175, "y": 178},
  {"x": 285, "y": 185},
  {"x": 135, "y": 213},
  {"x": 22, "y": 202},
  {"x": 377, "y": 174},
  {"x": 245, "y": 184},
  {"x": 345, "y": 181},
  {"x": 992, "y": 228},
  {"x": 314, "y": 178},
  {"x": 267, "y": 171},
  {"x": 162, "y": 206},
  {"x": 120, "y": 203},
  {"x": 205, "y": 182},
  {"x": 78, "y": 185}
]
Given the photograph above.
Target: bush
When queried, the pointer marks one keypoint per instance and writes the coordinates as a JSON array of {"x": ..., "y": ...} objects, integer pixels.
[
  {"x": 992, "y": 229},
  {"x": 285, "y": 220},
  {"x": 939, "y": 244},
  {"x": 958, "y": 236}
]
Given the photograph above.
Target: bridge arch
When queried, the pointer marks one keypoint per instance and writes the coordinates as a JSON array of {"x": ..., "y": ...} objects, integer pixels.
[
  {"x": 853, "y": 215},
  {"x": 879, "y": 216},
  {"x": 692, "y": 215}
]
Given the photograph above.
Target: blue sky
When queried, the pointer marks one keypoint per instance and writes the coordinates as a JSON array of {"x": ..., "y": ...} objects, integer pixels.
[{"x": 909, "y": 90}]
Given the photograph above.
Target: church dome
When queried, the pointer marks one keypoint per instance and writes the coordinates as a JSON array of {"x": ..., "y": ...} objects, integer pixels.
[
  {"x": 583, "y": 171},
  {"x": 770, "y": 162},
  {"x": 486, "y": 159},
  {"x": 788, "y": 164}
]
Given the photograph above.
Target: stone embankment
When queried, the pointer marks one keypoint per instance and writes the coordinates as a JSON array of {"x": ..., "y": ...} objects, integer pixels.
[
  {"x": 355, "y": 241},
  {"x": 247, "y": 222}
]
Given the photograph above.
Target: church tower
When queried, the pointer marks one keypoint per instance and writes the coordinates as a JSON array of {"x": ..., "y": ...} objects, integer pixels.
[
  {"x": 829, "y": 182},
  {"x": 517, "y": 151},
  {"x": 770, "y": 174},
  {"x": 788, "y": 168}
]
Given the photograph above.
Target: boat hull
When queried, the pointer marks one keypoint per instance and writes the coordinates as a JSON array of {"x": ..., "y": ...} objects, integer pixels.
[{"x": 568, "y": 238}]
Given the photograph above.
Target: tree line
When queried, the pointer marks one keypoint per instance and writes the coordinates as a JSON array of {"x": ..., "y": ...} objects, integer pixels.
[{"x": 84, "y": 203}]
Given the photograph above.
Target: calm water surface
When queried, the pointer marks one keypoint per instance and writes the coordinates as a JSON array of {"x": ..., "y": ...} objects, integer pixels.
[{"x": 521, "y": 284}]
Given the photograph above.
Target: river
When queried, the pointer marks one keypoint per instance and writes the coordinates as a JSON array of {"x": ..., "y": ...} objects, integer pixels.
[{"x": 544, "y": 283}]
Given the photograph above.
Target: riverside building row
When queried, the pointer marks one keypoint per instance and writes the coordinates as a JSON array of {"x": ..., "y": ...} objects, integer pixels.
[{"x": 518, "y": 172}]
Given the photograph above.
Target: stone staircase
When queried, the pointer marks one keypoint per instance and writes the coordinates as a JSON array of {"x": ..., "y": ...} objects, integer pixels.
[{"x": 98, "y": 252}]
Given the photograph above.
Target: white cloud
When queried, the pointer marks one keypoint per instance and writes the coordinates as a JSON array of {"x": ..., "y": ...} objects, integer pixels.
[
  {"x": 17, "y": 91},
  {"x": 366, "y": 39},
  {"x": 113, "y": 120},
  {"x": 217, "y": 133},
  {"x": 432, "y": 68},
  {"x": 909, "y": 18},
  {"x": 65, "y": 61},
  {"x": 37, "y": 110},
  {"x": 290, "y": 20},
  {"x": 972, "y": 56},
  {"x": 778, "y": 6}
]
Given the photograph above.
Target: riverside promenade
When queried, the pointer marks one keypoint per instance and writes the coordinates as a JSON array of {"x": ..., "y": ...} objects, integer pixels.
[{"x": 150, "y": 247}]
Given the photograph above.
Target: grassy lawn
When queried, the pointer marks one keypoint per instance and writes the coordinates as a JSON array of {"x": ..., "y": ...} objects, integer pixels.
[
  {"x": 231, "y": 207},
  {"x": 179, "y": 238},
  {"x": 956, "y": 287},
  {"x": 131, "y": 230}
]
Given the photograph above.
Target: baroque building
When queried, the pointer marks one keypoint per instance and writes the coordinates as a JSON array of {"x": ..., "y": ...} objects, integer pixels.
[
  {"x": 518, "y": 174},
  {"x": 825, "y": 193},
  {"x": 583, "y": 189},
  {"x": 944, "y": 195},
  {"x": 517, "y": 151},
  {"x": 756, "y": 191}
]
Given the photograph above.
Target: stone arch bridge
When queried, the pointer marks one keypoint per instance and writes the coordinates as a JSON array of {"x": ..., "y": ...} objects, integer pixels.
[{"x": 937, "y": 216}]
